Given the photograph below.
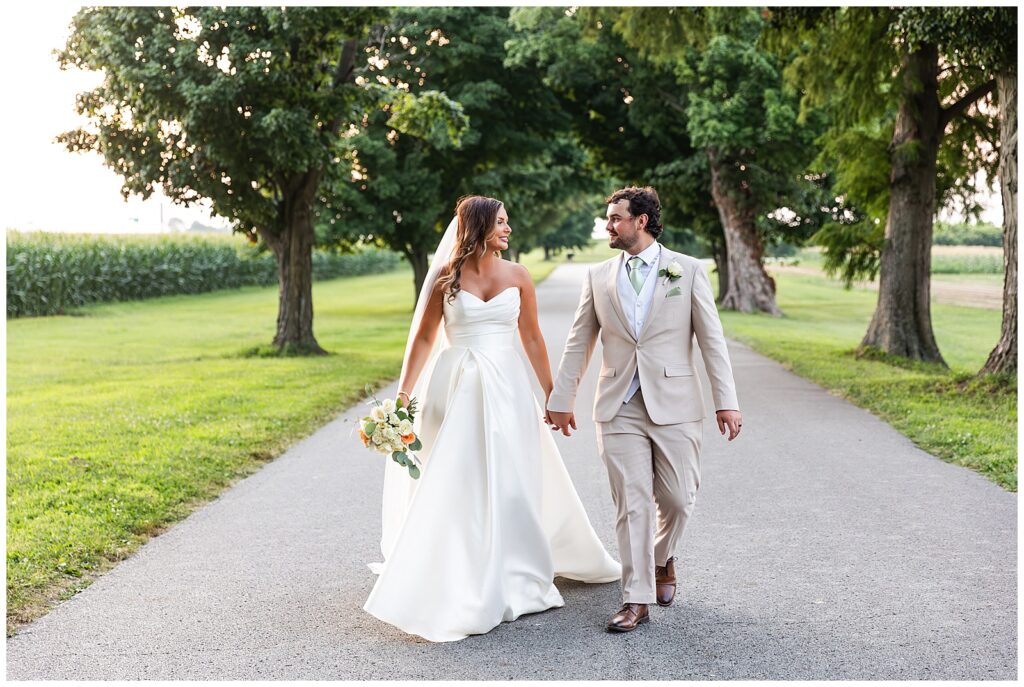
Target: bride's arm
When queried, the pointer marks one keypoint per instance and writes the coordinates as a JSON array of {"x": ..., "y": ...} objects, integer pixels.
[
  {"x": 423, "y": 341},
  {"x": 529, "y": 332}
]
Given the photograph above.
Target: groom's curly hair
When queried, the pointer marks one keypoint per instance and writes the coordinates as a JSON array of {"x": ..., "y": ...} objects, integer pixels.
[{"x": 642, "y": 201}]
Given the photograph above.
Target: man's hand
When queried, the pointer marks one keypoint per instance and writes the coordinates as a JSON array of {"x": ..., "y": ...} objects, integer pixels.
[
  {"x": 562, "y": 421},
  {"x": 731, "y": 419}
]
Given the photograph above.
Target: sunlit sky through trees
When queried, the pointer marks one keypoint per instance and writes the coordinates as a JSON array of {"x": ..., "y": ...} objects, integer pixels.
[
  {"x": 51, "y": 189},
  {"x": 48, "y": 188}
]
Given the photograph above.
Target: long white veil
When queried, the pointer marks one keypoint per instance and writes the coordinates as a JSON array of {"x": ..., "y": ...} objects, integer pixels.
[
  {"x": 442, "y": 255},
  {"x": 399, "y": 488}
]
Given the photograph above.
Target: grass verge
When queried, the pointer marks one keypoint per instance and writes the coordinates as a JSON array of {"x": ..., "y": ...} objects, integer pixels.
[
  {"x": 125, "y": 417},
  {"x": 943, "y": 411}
]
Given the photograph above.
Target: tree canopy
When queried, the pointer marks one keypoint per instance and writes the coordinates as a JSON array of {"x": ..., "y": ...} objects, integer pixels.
[{"x": 247, "y": 107}]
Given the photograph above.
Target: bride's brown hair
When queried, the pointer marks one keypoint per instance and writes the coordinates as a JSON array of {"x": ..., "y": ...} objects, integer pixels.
[{"x": 477, "y": 217}]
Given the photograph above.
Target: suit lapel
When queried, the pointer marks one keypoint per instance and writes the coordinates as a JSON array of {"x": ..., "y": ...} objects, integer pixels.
[
  {"x": 660, "y": 289},
  {"x": 612, "y": 281}
]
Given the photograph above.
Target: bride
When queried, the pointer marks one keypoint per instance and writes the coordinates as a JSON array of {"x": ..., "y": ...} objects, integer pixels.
[{"x": 479, "y": 538}]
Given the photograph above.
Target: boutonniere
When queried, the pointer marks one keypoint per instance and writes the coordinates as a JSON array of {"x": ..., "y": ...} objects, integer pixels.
[{"x": 673, "y": 271}]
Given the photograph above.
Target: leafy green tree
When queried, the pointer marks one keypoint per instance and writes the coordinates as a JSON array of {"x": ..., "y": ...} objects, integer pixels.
[
  {"x": 742, "y": 117},
  {"x": 903, "y": 87},
  {"x": 988, "y": 36},
  {"x": 574, "y": 231},
  {"x": 543, "y": 191},
  {"x": 699, "y": 107},
  {"x": 618, "y": 103},
  {"x": 1003, "y": 358},
  {"x": 244, "y": 106},
  {"x": 403, "y": 190}
]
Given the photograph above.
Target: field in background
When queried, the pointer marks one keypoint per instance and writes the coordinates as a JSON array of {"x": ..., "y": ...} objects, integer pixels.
[
  {"x": 961, "y": 275},
  {"x": 945, "y": 259},
  {"x": 942, "y": 411}
]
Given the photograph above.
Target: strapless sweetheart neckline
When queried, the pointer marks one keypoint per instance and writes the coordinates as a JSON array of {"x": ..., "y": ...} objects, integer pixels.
[{"x": 469, "y": 293}]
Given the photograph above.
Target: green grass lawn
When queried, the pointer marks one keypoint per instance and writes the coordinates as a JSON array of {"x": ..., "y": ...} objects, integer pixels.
[
  {"x": 971, "y": 425},
  {"x": 123, "y": 418},
  {"x": 121, "y": 421}
]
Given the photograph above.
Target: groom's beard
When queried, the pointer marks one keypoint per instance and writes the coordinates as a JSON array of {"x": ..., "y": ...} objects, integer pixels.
[{"x": 621, "y": 242}]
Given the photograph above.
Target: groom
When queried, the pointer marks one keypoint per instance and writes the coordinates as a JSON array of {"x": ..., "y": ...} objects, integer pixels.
[{"x": 646, "y": 304}]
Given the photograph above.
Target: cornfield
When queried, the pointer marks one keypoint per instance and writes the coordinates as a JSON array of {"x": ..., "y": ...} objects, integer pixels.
[{"x": 50, "y": 273}]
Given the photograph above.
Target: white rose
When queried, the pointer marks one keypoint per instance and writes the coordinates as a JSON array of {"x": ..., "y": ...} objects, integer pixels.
[
  {"x": 675, "y": 269},
  {"x": 388, "y": 405},
  {"x": 393, "y": 419},
  {"x": 405, "y": 427},
  {"x": 377, "y": 438},
  {"x": 378, "y": 415}
]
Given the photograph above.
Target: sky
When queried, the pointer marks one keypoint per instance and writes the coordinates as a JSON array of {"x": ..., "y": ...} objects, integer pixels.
[
  {"x": 47, "y": 187},
  {"x": 51, "y": 189}
]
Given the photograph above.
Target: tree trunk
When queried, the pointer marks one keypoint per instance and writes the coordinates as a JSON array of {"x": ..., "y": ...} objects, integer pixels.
[
  {"x": 749, "y": 288},
  {"x": 902, "y": 322},
  {"x": 721, "y": 257},
  {"x": 294, "y": 252},
  {"x": 1003, "y": 358},
  {"x": 418, "y": 259}
]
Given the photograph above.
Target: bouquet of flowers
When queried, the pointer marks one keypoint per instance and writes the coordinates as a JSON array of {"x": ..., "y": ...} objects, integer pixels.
[{"x": 388, "y": 429}]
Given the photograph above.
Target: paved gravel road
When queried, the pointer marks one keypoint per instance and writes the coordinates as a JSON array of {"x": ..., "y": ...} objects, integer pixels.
[{"x": 824, "y": 545}]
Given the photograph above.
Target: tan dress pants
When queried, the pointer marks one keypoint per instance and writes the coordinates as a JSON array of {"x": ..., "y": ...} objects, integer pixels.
[{"x": 654, "y": 473}]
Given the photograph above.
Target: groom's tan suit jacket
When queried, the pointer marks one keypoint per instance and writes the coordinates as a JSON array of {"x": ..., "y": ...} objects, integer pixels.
[{"x": 663, "y": 352}]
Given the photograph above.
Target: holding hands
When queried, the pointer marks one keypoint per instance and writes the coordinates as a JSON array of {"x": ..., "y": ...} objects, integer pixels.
[{"x": 560, "y": 421}]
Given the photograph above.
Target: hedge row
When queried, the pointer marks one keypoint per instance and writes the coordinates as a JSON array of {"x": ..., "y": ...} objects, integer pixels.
[
  {"x": 967, "y": 235},
  {"x": 50, "y": 273}
]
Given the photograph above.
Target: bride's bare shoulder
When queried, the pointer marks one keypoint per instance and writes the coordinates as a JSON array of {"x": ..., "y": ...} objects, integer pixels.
[{"x": 517, "y": 273}]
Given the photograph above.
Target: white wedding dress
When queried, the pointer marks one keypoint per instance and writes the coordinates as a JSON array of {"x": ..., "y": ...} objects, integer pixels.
[{"x": 478, "y": 539}]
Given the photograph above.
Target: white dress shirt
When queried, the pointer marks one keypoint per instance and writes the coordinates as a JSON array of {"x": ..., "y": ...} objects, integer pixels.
[{"x": 634, "y": 305}]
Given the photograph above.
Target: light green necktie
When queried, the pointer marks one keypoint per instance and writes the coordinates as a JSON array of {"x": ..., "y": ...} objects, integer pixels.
[{"x": 635, "y": 278}]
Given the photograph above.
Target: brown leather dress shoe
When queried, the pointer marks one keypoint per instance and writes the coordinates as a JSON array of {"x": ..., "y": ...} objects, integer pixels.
[
  {"x": 628, "y": 618},
  {"x": 665, "y": 582}
]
